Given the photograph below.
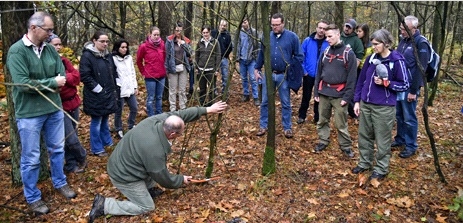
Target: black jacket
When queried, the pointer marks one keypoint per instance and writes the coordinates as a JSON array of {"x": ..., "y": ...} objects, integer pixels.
[
  {"x": 98, "y": 69},
  {"x": 225, "y": 41}
]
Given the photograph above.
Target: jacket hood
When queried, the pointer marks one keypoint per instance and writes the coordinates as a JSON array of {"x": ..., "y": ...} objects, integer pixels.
[
  {"x": 171, "y": 37},
  {"x": 89, "y": 46},
  {"x": 350, "y": 35}
]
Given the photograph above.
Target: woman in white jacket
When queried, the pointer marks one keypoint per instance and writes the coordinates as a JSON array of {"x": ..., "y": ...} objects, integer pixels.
[{"x": 127, "y": 85}]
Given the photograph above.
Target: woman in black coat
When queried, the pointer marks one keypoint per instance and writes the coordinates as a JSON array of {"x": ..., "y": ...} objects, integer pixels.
[{"x": 98, "y": 73}]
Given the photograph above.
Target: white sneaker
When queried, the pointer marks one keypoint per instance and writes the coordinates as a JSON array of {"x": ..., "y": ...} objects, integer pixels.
[{"x": 120, "y": 133}]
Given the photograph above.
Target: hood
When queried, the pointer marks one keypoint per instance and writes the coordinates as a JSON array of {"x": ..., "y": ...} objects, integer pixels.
[
  {"x": 171, "y": 37},
  {"x": 89, "y": 46},
  {"x": 350, "y": 35},
  {"x": 312, "y": 36}
]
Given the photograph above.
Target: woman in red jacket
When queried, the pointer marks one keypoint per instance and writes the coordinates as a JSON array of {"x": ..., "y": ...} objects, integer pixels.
[
  {"x": 151, "y": 57},
  {"x": 74, "y": 153}
]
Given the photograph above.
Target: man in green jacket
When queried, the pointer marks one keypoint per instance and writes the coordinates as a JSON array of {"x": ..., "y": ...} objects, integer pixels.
[
  {"x": 38, "y": 72},
  {"x": 139, "y": 162},
  {"x": 349, "y": 37}
]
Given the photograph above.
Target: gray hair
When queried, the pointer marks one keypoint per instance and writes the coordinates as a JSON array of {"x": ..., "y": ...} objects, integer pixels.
[
  {"x": 37, "y": 19},
  {"x": 383, "y": 36},
  {"x": 412, "y": 20},
  {"x": 173, "y": 123}
]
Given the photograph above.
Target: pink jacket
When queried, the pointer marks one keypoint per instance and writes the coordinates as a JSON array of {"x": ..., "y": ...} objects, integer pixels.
[{"x": 151, "y": 60}]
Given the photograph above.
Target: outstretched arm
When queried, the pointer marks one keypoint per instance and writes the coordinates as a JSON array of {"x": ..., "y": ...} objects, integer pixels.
[{"x": 217, "y": 107}]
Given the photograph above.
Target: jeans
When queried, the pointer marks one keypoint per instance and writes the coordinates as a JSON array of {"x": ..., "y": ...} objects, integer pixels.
[
  {"x": 247, "y": 73},
  {"x": 307, "y": 87},
  {"x": 177, "y": 85},
  {"x": 99, "y": 134},
  {"x": 224, "y": 72},
  {"x": 139, "y": 199},
  {"x": 133, "y": 106},
  {"x": 375, "y": 126},
  {"x": 340, "y": 121},
  {"x": 74, "y": 153},
  {"x": 206, "y": 84},
  {"x": 283, "y": 91},
  {"x": 154, "y": 89},
  {"x": 30, "y": 129},
  {"x": 192, "y": 78},
  {"x": 407, "y": 123}
]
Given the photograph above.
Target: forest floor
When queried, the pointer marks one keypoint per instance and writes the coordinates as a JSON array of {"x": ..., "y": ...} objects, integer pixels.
[{"x": 307, "y": 186}]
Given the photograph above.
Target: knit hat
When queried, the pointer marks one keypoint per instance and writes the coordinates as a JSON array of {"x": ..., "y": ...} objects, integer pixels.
[
  {"x": 52, "y": 37},
  {"x": 351, "y": 23}
]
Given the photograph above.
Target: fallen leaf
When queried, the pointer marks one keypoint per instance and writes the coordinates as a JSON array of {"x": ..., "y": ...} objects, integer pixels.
[
  {"x": 311, "y": 215},
  {"x": 237, "y": 213},
  {"x": 412, "y": 166},
  {"x": 375, "y": 182},
  {"x": 402, "y": 202},
  {"x": 362, "y": 179},
  {"x": 278, "y": 191},
  {"x": 361, "y": 191},
  {"x": 343, "y": 195},
  {"x": 312, "y": 201},
  {"x": 440, "y": 219}
]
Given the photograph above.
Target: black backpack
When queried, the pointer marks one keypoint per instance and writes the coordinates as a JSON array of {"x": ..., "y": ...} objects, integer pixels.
[{"x": 432, "y": 69}]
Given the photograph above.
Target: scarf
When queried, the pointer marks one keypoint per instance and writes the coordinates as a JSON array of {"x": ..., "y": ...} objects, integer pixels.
[{"x": 155, "y": 43}]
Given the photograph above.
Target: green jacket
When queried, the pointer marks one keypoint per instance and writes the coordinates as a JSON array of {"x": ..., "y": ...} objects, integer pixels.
[
  {"x": 142, "y": 152},
  {"x": 355, "y": 44},
  {"x": 26, "y": 68}
]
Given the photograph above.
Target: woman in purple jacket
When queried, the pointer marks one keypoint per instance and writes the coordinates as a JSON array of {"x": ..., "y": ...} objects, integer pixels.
[{"x": 383, "y": 75}]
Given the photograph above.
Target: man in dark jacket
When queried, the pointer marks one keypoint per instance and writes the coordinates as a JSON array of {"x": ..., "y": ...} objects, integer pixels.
[
  {"x": 334, "y": 88},
  {"x": 407, "y": 122},
  {"x": 226, "y": 47},
  {"x": 139, "y": 162}
]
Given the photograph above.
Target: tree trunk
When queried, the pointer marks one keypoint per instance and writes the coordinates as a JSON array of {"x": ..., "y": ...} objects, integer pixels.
[
  {"x": 438, "y": 42},
  {"x": 188, "y": 29},
  {"x": 269, "y": 165},
  {"x": 13, "y": 28},
  {"x": 339, "y": 14},
  {"x": 452, "y": 44},
  {"x": 123, "y": 15}
]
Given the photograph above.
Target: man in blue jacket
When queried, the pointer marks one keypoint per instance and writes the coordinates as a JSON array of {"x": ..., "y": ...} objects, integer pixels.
[
  {"x": 285, "y": 47},
  {"x": 316, "y": 42},
  {"x": 407, "y": 122},
  {"x": 226, "y": 46}
]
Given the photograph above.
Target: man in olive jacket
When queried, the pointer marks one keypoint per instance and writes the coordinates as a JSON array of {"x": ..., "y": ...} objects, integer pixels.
[{"x": 139, "y": 162}]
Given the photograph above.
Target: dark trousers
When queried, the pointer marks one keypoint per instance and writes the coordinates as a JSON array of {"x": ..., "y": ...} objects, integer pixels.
[
  {"x": 74, "y": 153},
  {"x": 307, "y": 87},
  {"x": 206, "y": 81}
]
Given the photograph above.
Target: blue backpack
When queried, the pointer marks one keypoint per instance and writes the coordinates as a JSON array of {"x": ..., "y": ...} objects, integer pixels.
[{"x": 432, "y": 69}]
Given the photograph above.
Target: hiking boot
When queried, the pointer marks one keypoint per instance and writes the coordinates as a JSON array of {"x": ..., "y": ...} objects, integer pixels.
[
  {"x": 120, "y": 134},
  {"x": 245, "y": 98},
  {"x": 261, "y": 132},
  {"x": 39, "y": 207},
  {"x": 155, "y": 192},
  {"x": 256, "y": 101},
  {"x": 300, "y": 121},
  {"x": 320, "y": 147},
  {"x": 406, "y": 154},
  {"x": 97, "y": 208},
  {"x": 396, "y": 144},
  {"x": 67, "y": 192},
  {"x": 348, "y": 152},
  {"x": 102, "y": 154},
  {"x": 288, "y": 133},
  {"x": 358, "y": 169},
  {"x": 377, "y": 176}
]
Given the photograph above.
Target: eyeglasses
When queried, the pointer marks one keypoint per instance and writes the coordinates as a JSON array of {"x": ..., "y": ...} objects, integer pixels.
[
  {"x": 276, "y": 25},
  {"x": 46, "y": 30},
  {"x": 103, "y": 41}
]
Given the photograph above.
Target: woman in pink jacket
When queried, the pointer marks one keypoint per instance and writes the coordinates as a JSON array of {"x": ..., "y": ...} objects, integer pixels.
[{"x": 151, "y": 62}]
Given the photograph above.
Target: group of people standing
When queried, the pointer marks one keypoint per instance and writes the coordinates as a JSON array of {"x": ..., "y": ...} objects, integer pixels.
[{"x": 381, "y": 84}]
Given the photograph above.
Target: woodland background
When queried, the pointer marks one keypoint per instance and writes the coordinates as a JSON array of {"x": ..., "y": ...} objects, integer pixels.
[{"x": 304, "y": 187}]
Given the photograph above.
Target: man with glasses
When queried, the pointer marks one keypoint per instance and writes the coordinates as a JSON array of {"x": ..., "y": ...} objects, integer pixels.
[
  {"x": 139, "y": 162},
  {"x": 313, "y": 46},
  {"x": 407, "y": 122},
  {"x": 284, "y": 48},
  {"x": 223, "y": 36},
  {"x": 36, "y": 64}
]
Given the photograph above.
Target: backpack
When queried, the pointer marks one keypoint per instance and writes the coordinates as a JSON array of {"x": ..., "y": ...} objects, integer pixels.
[
  {"x": 344, "y": 57},
  {"x": 432, "y": 69}
]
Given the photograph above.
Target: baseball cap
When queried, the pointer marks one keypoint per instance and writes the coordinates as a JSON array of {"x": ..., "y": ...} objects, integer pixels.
[{"x": 351, "y": 23}]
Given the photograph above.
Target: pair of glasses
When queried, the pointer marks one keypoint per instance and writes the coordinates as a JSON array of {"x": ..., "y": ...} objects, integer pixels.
[{"x": 46, "y": 30}]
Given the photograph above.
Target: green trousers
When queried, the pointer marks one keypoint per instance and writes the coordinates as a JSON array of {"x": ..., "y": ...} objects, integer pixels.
[
  {"x": 375, "y": 125},
  {"x": 340, "y": 121}
]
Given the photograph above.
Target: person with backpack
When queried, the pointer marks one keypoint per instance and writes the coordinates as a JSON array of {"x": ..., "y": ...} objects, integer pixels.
[
  {"x": 407, "y": 122},
  {"x": 382, "y": 76},
  {"x": 334, "y": 88}
]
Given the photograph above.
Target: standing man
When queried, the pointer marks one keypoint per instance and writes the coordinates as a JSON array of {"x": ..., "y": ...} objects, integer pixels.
[
  {"x": 248, "y": 47},
  {"x": 139, "y": 162},
  {"x": 407, "y": 122},
  {"x": 226, "y": 47},
  {"x": 335, "y": 85},
  {"x": 312, "y": 47},
  {"x": 285, "y": 47},
  {"x": 33, "y": 62},
  {"x": 349, "y": 37}
]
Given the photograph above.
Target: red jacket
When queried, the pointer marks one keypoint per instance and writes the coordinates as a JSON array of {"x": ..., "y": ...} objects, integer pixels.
[
  {"x": 68, "y": 92},
  {"x": 151, "y": 60}
]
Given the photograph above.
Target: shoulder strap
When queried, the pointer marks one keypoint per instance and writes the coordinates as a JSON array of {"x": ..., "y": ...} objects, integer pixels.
[{"x": 346, "y": 55}]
